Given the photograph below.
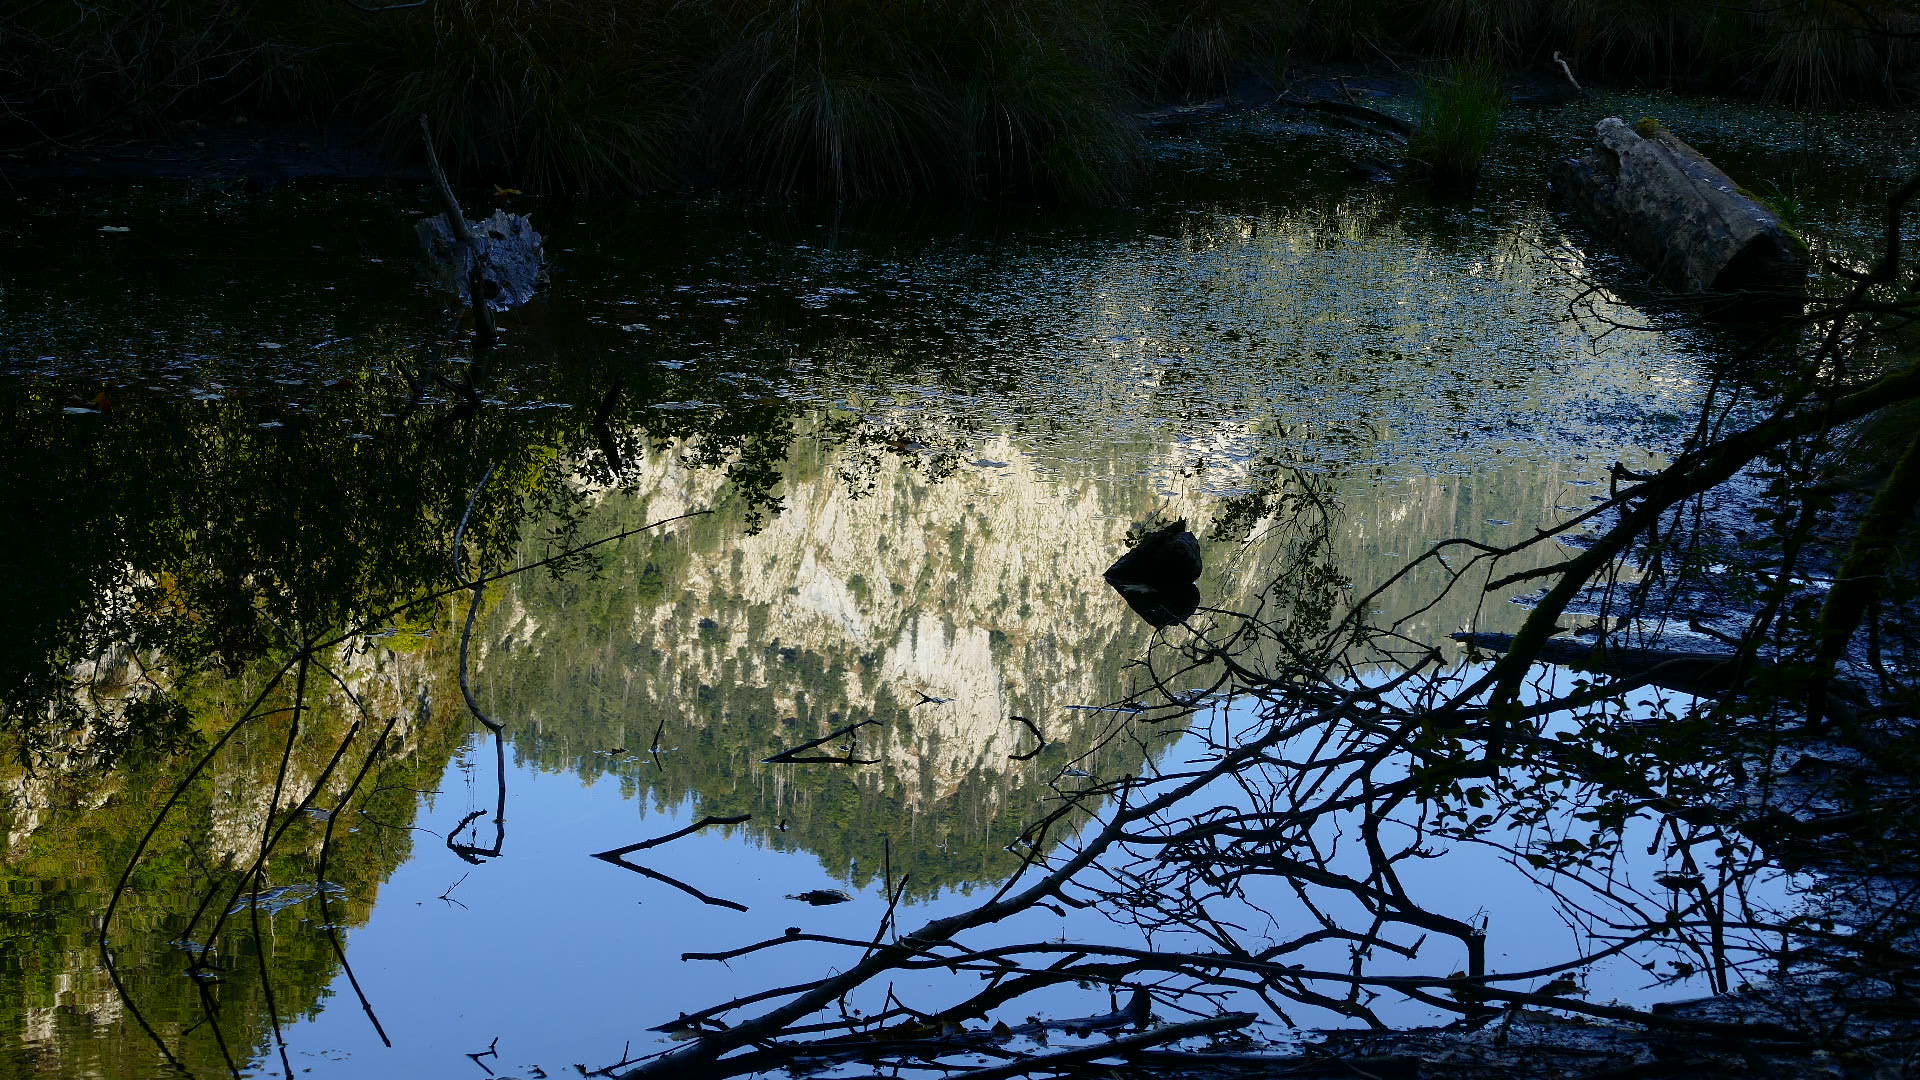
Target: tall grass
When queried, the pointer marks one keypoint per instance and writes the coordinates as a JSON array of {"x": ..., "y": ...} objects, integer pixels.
[
  {"x": 854, "y": 98},
  {"x": 1458, "y": 113},
  {"x": 70, "y": 67},
  {"x": 1188, "y": 48},
  {"x": 864, "y": 97},
  {"x": 544, "y": 95}
]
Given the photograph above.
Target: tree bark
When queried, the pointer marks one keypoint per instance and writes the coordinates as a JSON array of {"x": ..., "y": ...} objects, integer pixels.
[{"x": 1683, "y": 218}]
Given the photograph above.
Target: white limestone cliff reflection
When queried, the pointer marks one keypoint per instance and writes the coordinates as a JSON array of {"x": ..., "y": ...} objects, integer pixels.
[{"x": 981, "y": 591}]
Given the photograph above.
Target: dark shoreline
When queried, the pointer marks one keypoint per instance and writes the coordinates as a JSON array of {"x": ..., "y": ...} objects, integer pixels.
[{"x": 258, "y": 155}]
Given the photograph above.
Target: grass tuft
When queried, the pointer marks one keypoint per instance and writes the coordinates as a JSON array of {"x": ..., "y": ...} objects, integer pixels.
[
  {"x": 548, "y": 96},
  {"x": 855, "y": 99},
  {"x": 1459, "y": 111}
]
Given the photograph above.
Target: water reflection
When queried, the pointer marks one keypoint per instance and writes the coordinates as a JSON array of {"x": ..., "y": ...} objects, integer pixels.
[
  {"x": 923, "y": 452},
  {"x": 943, "y": 602},
  {"x": 941, "y": 599}
]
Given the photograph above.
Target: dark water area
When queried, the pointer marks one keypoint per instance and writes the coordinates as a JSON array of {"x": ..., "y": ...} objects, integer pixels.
[{"x": 910, "y": 439}]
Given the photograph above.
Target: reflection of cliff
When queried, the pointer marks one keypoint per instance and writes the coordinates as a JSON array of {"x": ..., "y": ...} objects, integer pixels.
[
  {"x": 877, "y": 588},
  {"x": 1361, "y": 332},
  {"x": 1380, "y": 525},
  {"x": 859, "y": 600}
]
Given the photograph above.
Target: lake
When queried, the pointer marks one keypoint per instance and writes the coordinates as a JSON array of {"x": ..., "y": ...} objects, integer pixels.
[{"x": 891, "y": 450}]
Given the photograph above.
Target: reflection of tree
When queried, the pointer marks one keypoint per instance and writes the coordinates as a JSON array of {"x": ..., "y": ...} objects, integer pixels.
[
  {"x": 1279, "y": 861},
  {"x": 298, "y": 774},
  {"x": 192, "y": 874},
  {"x": 191, "y": 531},
  {"x": 185, "y": 552}
]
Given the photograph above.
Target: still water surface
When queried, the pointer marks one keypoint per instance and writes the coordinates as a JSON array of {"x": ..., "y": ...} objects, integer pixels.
[{"x": 921, "y": 437}]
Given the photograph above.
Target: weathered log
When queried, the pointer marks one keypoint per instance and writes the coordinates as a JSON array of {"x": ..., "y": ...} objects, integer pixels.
[
  {"x": 1702, "y": 674},
  {"x": 511, "y": 261},
  {"x": 1679, "y": 215}
]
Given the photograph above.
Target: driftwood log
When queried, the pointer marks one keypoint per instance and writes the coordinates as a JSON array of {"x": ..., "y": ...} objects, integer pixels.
[
  {"x": 1701, "y": 674},
  {"x": 503, "y": 254},
  {"x": 1679, "y": 215}
]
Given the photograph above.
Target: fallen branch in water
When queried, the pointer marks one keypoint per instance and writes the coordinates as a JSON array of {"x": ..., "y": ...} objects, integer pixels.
[
  {"x": 616, "y": 856},
  {"x": 1350, "y": 115},
  {"x": 790, "y": 755},
  {"x": 1040, "y": 741}
]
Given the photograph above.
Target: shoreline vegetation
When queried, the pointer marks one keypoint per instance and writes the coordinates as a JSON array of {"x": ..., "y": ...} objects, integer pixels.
[{"x": 854, "y": 98}]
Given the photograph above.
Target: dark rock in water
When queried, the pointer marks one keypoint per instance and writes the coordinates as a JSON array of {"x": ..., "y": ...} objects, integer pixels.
[
  {"x": 1157, "y": 577},
  {"x": 512, "y": 258},
  {"x": 1167, "y": 555},
  {"x": 1161, "y": 607}
]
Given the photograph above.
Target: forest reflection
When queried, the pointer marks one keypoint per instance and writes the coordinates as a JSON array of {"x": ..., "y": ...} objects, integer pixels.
[
  {"x": 914, "y": 479},
  {"x": 943, "y": 608},
  {"x": 940, "y": 581}
]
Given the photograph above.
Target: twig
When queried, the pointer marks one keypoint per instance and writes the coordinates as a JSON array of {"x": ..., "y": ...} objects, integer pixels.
[
  {"x": 447, "y": 894},
  {"x": 379, "y": 617},
  {"x": 789, "y": 754},
  {"x": 666, "y": 879},
  {"x": 457, "y": 221},
  {"x": 617, "y": 856},
  {"x": 320, "y": 873},
  {"x": 492, "y": 1050},
  {"x": 1041, "y": 741}
]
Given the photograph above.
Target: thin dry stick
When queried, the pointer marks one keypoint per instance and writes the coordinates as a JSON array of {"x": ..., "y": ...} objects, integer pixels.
[
  {"x": 789, "y": 754},
  {"x": 320, "y": 873},
  {"x": 457, "y": 221},
  {"x": 146, "y": 840},
  {"x": 1040, "y": 741},
  {"x": 367, "y": 624},
  {"x": 617, "y": 856},
  {"x": 473, "y": 609},
  {"x": 267, "y": 838}
]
